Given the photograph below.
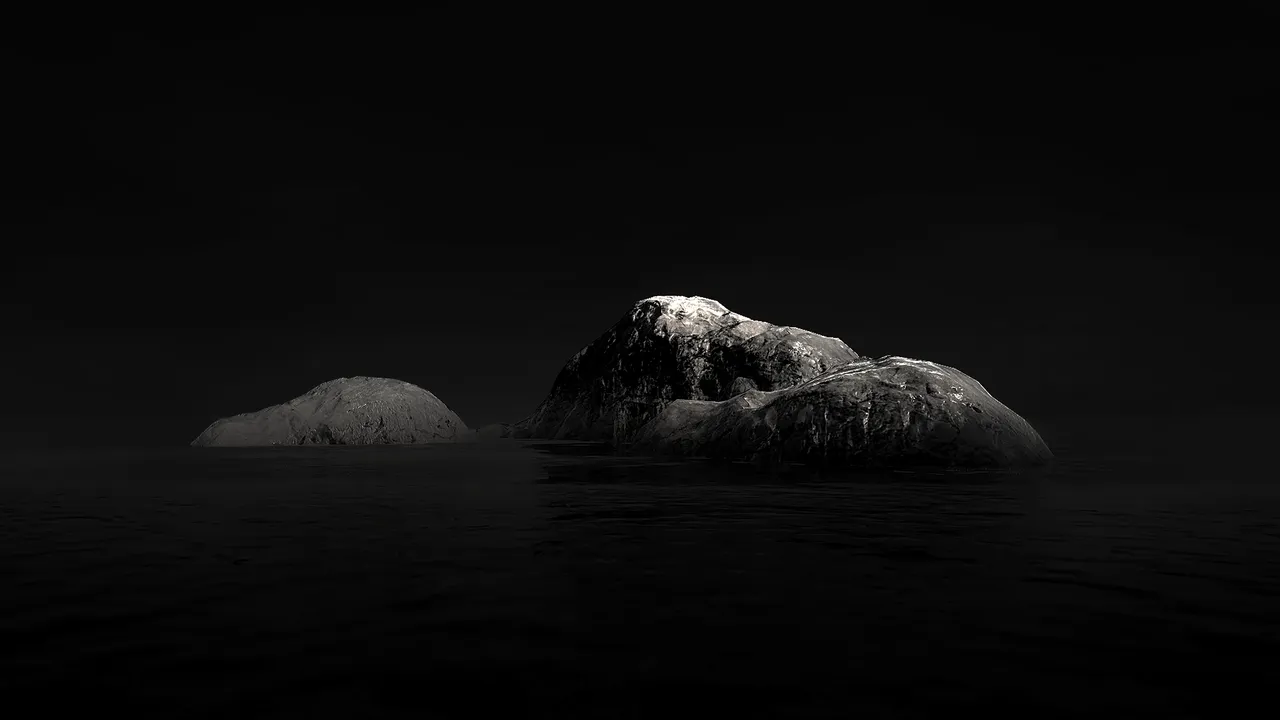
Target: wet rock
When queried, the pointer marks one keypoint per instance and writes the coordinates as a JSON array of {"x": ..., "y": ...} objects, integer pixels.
[
  {"x": 346, "y": 411},
  {"x": 669, "y": 348},
  {"x": 887, "y": 412}
]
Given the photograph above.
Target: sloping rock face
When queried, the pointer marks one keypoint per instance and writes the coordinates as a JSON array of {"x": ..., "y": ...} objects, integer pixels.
[
  {"x": 346, "y": 411},
  {"x": 887, "y": 412},
  {"x": 668, "y": 348}
]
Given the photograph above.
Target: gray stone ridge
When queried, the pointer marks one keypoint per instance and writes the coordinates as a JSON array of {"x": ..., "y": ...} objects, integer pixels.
[
  {"x": 890, "y": 411},
  {"x": 346, "y": 411}
]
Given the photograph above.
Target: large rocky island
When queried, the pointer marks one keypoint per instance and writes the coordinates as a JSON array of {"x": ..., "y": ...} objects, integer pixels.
[
  {"x": 346, "y": 411},
  {"x": 684, "y": 375}
]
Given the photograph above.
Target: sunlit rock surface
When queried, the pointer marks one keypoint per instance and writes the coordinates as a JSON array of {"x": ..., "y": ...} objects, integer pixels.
[
  {"x": 669, "y": 348},
  {"x": 346, "y": 411},
  {"x": 887, "y": 412}
]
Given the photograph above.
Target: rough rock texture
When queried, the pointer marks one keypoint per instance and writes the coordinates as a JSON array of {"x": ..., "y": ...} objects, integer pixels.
[
  {"x": 668, "y": 348},
  {"x": 887, "y": 412},
  {"x": 346, "y": 411}
]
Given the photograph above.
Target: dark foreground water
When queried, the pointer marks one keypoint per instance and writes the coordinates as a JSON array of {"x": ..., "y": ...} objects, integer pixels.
[{"x": 548, "y": 581}]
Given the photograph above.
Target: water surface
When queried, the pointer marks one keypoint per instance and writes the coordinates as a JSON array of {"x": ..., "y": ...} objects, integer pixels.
[{"x": 553, "y": 580}]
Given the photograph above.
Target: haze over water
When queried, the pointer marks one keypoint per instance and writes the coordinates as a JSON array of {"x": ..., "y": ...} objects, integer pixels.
[{"x": 556, "y": 580}]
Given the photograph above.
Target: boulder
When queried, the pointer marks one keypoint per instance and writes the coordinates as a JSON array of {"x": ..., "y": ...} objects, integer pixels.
[
  {"x": 346, "y": 411},
  {"x": 669, "y": 348},
  {"x": 885, "y": 412}
]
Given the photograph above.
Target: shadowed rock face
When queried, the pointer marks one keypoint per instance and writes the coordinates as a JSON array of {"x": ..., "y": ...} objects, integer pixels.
[
  {"x": 888, "y": 412},
  {"x": 494, "y": 431},
  {"x": 668, "y": 348},
  {"x": 346, "y": 411}
]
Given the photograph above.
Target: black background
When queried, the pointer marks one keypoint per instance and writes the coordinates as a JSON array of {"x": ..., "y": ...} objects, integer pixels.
[{"x": 210, "y": 215}]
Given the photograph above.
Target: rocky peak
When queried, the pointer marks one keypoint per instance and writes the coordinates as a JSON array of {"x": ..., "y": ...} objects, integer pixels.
[{"x": 670, "y": 347}]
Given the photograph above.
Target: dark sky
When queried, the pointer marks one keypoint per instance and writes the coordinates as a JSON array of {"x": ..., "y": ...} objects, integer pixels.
[{"x": 207, "y": 217}]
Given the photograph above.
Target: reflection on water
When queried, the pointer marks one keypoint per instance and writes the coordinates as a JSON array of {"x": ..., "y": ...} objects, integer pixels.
[{"x": 554, "y": 580}]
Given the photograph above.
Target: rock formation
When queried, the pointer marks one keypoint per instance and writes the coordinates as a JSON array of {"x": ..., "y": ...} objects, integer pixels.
[
  {"x": 887, "y": 412},
  {"x": 346, "y": 411},
  {"x": 670, "y": 348},
  {"x": 684, "y": 375}
]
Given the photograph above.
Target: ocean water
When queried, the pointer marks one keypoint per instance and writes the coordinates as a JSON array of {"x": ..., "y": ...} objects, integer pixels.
[{"x": 556, "y": 580}]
